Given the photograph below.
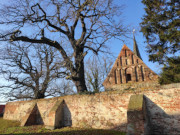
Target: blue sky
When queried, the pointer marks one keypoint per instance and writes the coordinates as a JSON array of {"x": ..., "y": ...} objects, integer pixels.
[{"x": 131, "y": 15}]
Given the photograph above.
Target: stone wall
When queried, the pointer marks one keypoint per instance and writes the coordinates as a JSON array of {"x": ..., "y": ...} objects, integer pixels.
[
  {"x": 140, "y": 86},
  {"x": 106, "y": 110},
  {"x": 159, "y": 113},
  {"x": 162, "y": 109}
]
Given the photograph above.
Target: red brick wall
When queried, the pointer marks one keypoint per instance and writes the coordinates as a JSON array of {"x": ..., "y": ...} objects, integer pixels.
[{"x": 105, "y": 110}]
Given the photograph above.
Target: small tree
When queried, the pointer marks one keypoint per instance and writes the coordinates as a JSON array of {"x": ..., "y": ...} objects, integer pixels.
[
  {"x": 31, "y": 71},
  {"x": 63, "y": 87},
  {"x": 171, "y": 71},
  {"x": 161, "y": 28},
  {"x": 96, "y": 72},
  {"x": 86, "y": 25}
]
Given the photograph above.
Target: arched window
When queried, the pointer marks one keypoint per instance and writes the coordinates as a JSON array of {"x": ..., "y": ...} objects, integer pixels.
[
  {"x": 128, "y": 77},
  {"x": 128, "y": 74}
]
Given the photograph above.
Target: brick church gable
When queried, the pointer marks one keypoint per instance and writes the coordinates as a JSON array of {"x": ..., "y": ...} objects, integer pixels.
[{"x": 129, "y": 68}]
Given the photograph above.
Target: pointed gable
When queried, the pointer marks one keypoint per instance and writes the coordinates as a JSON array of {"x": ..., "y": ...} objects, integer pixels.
[{"x": 127, "y": 68}]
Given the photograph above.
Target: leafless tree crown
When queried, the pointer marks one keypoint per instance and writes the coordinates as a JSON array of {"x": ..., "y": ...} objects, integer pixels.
[
  {"x": 86, "y": 25},
  {"x": 31, "y": 71}
]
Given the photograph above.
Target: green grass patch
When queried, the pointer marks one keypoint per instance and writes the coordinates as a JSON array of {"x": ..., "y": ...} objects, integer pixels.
[
  {"x": 12, "y": 127},
  {"x": 8, "y": 123}
]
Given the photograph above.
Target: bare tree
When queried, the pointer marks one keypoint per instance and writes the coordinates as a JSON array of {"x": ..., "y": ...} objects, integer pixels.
[
  {"x": 62, "y": 88},
  {"x": 86, "y": 25},
  {"x": 31, "y": 71},
  {"x": 97, "y": 71}
]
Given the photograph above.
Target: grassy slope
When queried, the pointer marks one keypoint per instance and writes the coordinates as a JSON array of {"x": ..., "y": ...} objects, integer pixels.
[
  {"x": 7, "y": 123},
  {"x": 12, "y": 127}
]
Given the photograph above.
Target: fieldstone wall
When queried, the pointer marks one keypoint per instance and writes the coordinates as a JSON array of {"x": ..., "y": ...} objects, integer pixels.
[
  {"x": 159, "y": 113},
  {"x": 162, "y": 112},
  {"x": 107, "y": 110},
  {"x": 140, "y": 86}
]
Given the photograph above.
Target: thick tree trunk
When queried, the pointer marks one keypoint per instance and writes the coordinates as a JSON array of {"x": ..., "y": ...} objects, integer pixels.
[
  {"x": 79, "y": 78},
  {"x": 80, "y": 85},
  {"x": 39, "y": 95}
]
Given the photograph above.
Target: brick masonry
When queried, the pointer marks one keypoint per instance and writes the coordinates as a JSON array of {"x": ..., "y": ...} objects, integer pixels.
[
  {"x": 106, "y": 110},
  {"x": 129, "y": 68}
]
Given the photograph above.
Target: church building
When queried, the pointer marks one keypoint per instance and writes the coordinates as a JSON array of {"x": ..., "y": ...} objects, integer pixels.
[{"x": 129, "y": 68}]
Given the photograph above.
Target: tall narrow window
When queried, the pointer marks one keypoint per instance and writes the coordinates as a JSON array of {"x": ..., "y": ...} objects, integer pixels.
[
  {"x": 115, "y": 77},
  {"x": 126, "y": 62},
  {"x": 142, "y": 73},
  {"x": 136, "y": 74},
  {"x": 125, "y": 75},
  {"x": 125, "y": 53},
  {"x": 121, "y": 60},
  {"x": 120, "y": 75},
  {"x": 132, "y": 59}
]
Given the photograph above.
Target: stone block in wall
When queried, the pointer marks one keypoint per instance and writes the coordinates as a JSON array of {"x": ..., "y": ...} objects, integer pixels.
[
  {"x": 26, "y": 117},
  {"x": 33, "y": 116},
  {"x": 55, "y": 117},
  {"x": 17, "y": 110},
  {"x": 135, "y": 116}
]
